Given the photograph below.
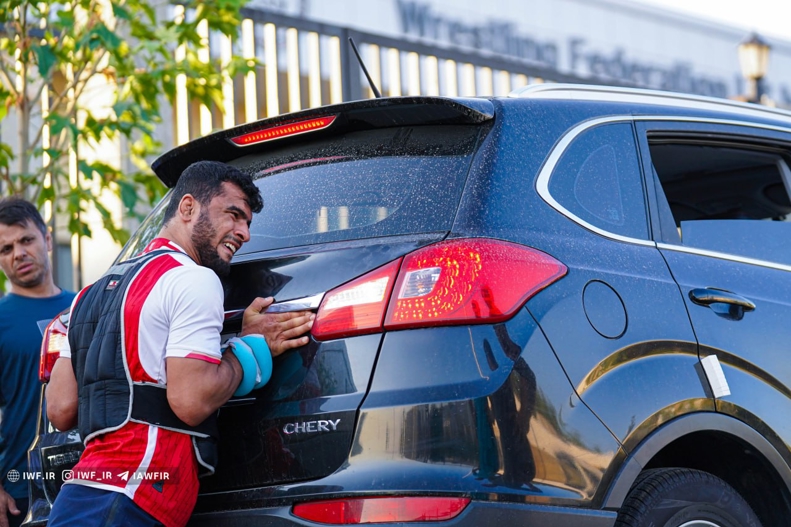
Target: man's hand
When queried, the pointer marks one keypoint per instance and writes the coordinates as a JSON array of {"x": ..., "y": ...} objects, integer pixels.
[
  {"x": 7, "y": 506},
  {"x": 281, "y": 330}
]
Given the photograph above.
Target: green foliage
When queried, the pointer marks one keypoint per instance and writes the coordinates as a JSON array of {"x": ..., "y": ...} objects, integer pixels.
[{"x": 130, "y": 45}]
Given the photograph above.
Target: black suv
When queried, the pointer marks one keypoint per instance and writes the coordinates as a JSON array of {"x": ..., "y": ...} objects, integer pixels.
[{"x": 569, "y": 306}]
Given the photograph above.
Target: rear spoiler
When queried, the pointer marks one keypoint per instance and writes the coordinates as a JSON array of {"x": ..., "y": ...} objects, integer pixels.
[{"x": 351, "y": 116}]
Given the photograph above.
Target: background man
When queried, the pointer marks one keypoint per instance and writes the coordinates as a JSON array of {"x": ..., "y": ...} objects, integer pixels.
[
  {"x": 32, "y": 299},
  {"x": 168, "y": 310}
]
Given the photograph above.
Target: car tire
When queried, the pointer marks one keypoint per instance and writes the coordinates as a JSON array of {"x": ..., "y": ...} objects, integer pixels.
[{"x": 679, "y": 497}]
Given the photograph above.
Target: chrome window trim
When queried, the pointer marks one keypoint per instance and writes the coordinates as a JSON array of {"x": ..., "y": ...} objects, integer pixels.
[
  {"x": 713, "y": 120},
  {"x": 723, "y": 256},
  {"x": 298, "y": 304},
  {"x": 545, "y": 174},
  {"x": 308, "y": 303}
]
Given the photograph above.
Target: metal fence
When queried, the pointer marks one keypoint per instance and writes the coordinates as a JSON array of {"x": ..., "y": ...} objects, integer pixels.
[{"x": 304, "y": 64}]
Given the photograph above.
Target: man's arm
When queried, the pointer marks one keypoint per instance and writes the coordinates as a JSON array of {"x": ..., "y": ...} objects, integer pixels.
[
  {"x": 61, "y": 394},
  {"x": 197, "y": 388}
]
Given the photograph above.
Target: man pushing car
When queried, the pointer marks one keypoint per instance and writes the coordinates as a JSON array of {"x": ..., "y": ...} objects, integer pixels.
[{"x": 144, "y": 373}]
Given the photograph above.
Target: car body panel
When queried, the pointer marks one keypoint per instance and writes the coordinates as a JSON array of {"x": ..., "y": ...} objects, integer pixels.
[
  {"x": 757, "y": 371},
  {"x": 444, "y": 440},
  {"x": 300, "y": 425},
  {"x": 649, "y": 375}
]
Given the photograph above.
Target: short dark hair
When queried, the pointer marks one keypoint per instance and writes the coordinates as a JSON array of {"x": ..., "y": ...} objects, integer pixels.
[
  {"x": 17, "y": 211},
  {"x": 204, "y": 179}
]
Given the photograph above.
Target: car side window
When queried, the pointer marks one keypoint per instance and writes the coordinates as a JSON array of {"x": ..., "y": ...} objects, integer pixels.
[
  {"x": 722, "y": 197},
  {"x": 598, "y": 180}
]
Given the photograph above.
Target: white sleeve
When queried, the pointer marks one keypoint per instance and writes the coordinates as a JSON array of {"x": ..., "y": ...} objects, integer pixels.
[{"x": 193, "y": 306}]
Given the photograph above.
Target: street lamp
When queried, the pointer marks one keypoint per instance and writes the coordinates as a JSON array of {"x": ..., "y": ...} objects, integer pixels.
[{"x": 754, "y": 60}]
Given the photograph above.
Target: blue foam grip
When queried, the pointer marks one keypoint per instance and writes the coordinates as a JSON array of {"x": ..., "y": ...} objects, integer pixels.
[
  {"x": 244, "y": 353},
  {"x": 262, "y": 355}
]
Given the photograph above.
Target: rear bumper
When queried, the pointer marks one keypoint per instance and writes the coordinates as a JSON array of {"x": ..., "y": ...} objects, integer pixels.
[{"x": 477, "y": 514}]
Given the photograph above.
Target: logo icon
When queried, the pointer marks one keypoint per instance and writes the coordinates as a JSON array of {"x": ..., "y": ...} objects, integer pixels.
[
  {"x": 68, "y": 474},
  {"x": 124, "y": 475},
  {"x": 13, "y": 475}
]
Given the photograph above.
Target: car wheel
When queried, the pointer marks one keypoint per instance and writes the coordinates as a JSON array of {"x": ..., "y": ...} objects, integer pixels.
[{"x": 679, "y": 497}]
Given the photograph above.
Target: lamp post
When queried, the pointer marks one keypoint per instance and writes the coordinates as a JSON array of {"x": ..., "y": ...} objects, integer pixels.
[{"x": 754, "y": 60}]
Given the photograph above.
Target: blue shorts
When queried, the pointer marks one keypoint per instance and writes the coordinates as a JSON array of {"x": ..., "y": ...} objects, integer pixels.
[{"x": 88, "y": 507}]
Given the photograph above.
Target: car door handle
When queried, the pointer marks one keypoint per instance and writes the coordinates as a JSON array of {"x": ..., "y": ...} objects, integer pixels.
[{"x": 707, "y": 296}]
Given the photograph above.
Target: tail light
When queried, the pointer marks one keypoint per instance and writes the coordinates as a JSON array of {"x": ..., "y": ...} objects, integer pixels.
[
  {"x": 54, "y": 340},
  {"x": 357, "y": 307},
  {"x": 463, "y": 281},
  {"x": 381, "y": 509}
]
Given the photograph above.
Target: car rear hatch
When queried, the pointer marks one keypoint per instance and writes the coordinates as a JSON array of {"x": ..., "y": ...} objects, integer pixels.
[{"x": 347, "y": 189}]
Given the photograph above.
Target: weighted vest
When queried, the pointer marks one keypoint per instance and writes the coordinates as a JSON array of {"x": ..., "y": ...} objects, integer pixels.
[{"x": 108, "y": 398}]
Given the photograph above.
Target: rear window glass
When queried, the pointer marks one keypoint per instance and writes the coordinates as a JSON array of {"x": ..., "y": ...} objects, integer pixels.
[{"x": 360, "y": 185}]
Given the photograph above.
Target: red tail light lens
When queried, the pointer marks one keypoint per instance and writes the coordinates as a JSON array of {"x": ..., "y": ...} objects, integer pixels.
[
  {"x": 381, "y": 510},
  {"x": 283, "y": 130},
  {"x": 54, "y": 339},
  {"x": 468, "y": 281},
  {"x": 464, "y": 281},
  {"x": 357, "y": 307}
]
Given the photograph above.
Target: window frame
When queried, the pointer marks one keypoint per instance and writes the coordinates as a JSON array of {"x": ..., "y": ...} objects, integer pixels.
[
  {"x": 733, "y": 133},
  {"x": 548, "y": 170}
]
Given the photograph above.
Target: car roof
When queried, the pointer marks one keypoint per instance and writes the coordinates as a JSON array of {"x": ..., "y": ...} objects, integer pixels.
[{"x": 638, "y": 96}]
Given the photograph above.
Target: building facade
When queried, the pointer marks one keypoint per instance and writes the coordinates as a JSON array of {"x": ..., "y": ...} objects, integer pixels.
[{"x": 613, "y": 41}]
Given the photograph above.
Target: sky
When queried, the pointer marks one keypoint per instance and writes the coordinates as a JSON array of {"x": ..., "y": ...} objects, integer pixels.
[{"x": 771, "y": 18}]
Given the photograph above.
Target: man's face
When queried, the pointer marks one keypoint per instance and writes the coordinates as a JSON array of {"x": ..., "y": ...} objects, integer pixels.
[
  {"x": 221, "y": 229},
  {"x": 23, "y": 255}
]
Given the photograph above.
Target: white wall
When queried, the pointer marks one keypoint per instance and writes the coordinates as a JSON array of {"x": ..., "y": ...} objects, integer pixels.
[{"x": 674, "y": 51}]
